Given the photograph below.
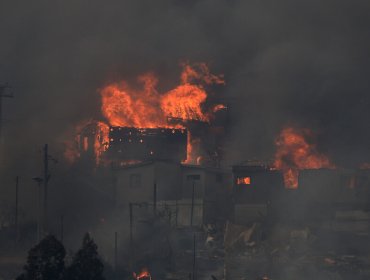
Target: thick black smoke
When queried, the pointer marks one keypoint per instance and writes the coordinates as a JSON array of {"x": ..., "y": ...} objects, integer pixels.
[{"x": 285, "y": 62}]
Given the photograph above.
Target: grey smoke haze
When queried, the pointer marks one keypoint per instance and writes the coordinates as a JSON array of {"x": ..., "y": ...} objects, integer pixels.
[{"x": 297, "y": 62}]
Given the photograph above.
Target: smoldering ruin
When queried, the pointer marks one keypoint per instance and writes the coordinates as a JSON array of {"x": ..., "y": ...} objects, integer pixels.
[{"x": 189, "y": 139}]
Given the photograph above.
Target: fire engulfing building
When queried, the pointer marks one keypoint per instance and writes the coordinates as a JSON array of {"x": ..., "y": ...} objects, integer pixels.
[{"x": 180, "y": 140}]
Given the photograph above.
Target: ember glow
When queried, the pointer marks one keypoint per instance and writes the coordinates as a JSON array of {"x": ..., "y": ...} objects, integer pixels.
[
  {"x": 218, "y": 107},
  {"x": 295, "y": 151},
  {"x": 143, "y": 275},
  {"x": 193, "y": 150},
  {"x": 91, "y": 136},
  {"x": 243, "y": 181},
  {"x": 126, "y": 106},
  {"x": 365, "y": 165},
  {"x": 101, "y": 139}
]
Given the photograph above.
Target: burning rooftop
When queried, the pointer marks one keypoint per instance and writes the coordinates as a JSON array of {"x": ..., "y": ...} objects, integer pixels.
[
  {"x": 146, "y": 124},
  {"x": 297, "y": 150}
]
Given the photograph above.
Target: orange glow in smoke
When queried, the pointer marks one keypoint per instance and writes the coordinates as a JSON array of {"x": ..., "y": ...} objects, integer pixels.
[
  {"x": 193, "y": 150},
  {"x": 71, "y": 152},
  {"x": 101, "y": 140},
  {"x": 243, "y": 181},
  {"x": 365, "y": 165},
  {"x": 296, "y": 151},
  {"x": 98, "y": 130},
  {"x": 218, "y": 107},
  {"x": 143, "y": 275}
]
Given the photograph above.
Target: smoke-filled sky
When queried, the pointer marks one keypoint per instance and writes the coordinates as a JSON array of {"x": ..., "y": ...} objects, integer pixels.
[{"x": 285, "y": 62}]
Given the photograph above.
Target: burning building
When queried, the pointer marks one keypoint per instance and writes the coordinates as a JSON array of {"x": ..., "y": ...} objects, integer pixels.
[
  {"x": 296, "y": 150},
  {"x": 255, "y": 185},
  {"x": 260, "y": 193},
  {"x": 180, "y": 125},
  {"x": 300, "y": 178}
]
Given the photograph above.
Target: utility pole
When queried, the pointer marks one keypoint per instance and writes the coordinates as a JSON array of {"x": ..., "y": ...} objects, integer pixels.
[
  {"x": 177, "y": 212},
  {"x": 131, "y": 235},
  {"x": 39, "y": 208},
  {"x": 61, "y": 228},
  {"x": 39, "y": 219},
  {"x": 193, "y": 178},
  {"x": 3, "y": 94},
  {"x": 194, "y": 258},
  {"x": 115, "y": 250},
  {"x": 16, "y": 210},
  {"x": 131, "y": 218},
  {"x": 155, "y": 199},
  {"x": 192, "y": 204},
  {"x": 46, "y": 179}
]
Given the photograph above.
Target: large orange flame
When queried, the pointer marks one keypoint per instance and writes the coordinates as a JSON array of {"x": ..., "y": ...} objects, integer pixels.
[
  {"x": 123, "y": 105},
  {"x": 295, "y": 151},
  {"x": 147, "y": 108},
  {"x": 184, "y": 102}
]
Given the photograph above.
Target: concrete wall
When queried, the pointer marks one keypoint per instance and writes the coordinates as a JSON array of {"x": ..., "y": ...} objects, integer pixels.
[
  {"x": 187, "y": 182},
  {"x": 324, "y": 186},
  {"x": 175, "y": 182},
  {"x": 263, "y": 186},
  {"x": 166, "y": 176},
  {"x": 128, "y": 191}
]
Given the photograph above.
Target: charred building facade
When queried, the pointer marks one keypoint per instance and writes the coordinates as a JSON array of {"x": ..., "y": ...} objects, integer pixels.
[
  {"x": 259, "y": 194},
  {"x": 191, "y": 141},
  {"x": 255, "y": 185},
  {"x": 129, "y": 143}
]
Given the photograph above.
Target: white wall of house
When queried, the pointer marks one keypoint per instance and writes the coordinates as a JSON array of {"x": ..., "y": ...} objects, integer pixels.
[
  {"x": 174, "y": 182},
  {"x": 136, "y": 183},
  {"x": 167, "y": 175},
  {"x": 188, "y": 175}
]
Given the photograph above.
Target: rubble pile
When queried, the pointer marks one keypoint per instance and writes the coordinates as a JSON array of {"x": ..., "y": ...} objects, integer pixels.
[{"x": 292, "y": 252}]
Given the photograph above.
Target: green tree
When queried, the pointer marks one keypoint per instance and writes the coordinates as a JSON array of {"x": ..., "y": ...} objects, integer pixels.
[
  {"x": 86, "y": 264},
  {"x": 45, "y": 261}
]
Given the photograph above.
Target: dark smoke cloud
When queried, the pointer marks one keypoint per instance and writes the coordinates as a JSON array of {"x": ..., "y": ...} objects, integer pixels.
[{"x": 285, "y": 62}]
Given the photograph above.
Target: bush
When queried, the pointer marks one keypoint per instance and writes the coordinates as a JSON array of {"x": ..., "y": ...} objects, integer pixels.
[
  {"x": 86, "y": 264},
  {"x": 45, "y": 261}
]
